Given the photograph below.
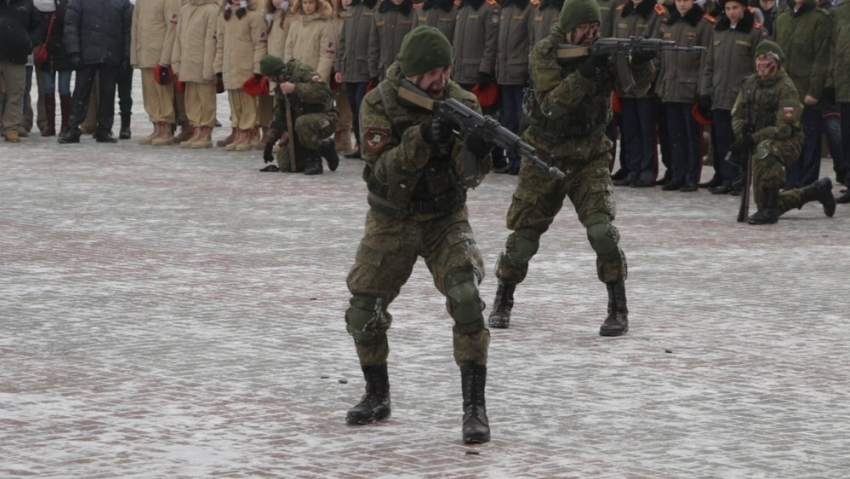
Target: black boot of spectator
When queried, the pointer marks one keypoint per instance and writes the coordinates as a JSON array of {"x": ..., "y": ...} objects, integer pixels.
[
  {"x": 104, "y": 137},
  {"x": 124, "y": 134},
  {"x": 73, "y": 136},
  {"x": 845, "y": 198}
]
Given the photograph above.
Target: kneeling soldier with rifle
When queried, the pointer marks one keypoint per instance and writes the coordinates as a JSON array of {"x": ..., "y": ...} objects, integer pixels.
[
  {"x": 305, "y": 111},
  {"x": 418, "y": 177},
  {"x": 567, "y": 109},
  {"x": 766, "y": 120}
]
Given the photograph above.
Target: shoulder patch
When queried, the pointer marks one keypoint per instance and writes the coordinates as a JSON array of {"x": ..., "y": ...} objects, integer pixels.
[
  {"x": 264, "y": 37},
  {"x": 376, "y": 139},
  {"x": 660, "y": 10},
  {"x": 709, "y": 18},
  {"x": 788, "y": 112},
  {"x": 173, "y": 18},
  {"x": 317, "y": 78}
]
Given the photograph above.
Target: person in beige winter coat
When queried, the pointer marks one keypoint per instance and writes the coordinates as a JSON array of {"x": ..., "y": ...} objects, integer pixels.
[
  {"x": 152, "y": 37},
  {"x": 311, "y": 36},
  {"x": 241, "y": 41},
  {"x": 342, "y": 136},
  {"x": 193, "y": 60}
]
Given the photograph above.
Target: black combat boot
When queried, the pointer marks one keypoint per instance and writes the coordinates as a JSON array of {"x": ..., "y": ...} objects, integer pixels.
[
  {"x": 124, "y": 133},
  {"x": 328, "y": 151},
  {"x": 476, "y": 426},
  {"x": 617, "y": 322},
  {"x": 767, "y": 213},
  {"x": 375, "y": 404},
  {"x": 500, "y": 316},
  {"x": 314, "y": 163},
  {"x": 820, "y": 190},
  {"x": 844, "y": 198}
]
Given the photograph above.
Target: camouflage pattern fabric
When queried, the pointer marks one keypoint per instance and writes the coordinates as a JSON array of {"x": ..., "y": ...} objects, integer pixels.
[
  {"x": 310, "y": 130},
  {"x": 385, "y": 260},
  {"x": 773, "y": 105}
]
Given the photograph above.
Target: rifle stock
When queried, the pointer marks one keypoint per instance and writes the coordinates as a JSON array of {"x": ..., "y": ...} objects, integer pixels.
[
  {"x": 464, "y": 121},
  {"x": 744, "y": 207},
  {"x": 290, "y": 135}
]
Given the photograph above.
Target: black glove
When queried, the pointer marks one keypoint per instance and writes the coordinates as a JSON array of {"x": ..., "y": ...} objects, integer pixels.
[
  {"x": 748, "y": 129},
  {"x": 739, "y": 160},
  {"x": 593, "y": 67},
  {"x": 743, "y": 146},
  {"x": 219, "y": 76},
  {"x": 268, "y": 155},
  {"x": 485, "y": 78},
  {"x": 75, "y": 61},
  {"x": 436, "y": 132},
  {"x": 643, "y": 56},
  {"x": 374, "y": 81},
  {"x": 704, "y": 102},
  {"x": 477, "y": 145}
]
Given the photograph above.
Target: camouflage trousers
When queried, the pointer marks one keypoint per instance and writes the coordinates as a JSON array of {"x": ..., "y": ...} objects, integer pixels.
[
  {"x": 539, "y": 197},
  {"x": 310, "y": 130},
  {"x": 384, "y": 262},
  {"x": 769, "y": 162}
]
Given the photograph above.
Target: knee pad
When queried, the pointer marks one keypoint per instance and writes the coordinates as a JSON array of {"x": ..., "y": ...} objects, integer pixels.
[
  {"x": 524, "y": 247},
  {"x": 463, "y": 302},
  {"x": 365, "y": 319},
  {"x": 603, "y": 237}
]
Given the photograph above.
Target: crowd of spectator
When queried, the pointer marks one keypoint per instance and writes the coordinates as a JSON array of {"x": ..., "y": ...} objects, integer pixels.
[{"x": 187, "y": 51}]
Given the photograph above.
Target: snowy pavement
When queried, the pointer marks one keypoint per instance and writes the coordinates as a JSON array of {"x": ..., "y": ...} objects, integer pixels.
[{"x": 167, "y": 313}]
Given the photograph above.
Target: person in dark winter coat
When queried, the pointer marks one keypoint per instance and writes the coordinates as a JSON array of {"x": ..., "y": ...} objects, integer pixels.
[
  {"x": 97, "y": 39},
  {"x": 21, "y": 29},
  {"x": 57, "y": 64}
]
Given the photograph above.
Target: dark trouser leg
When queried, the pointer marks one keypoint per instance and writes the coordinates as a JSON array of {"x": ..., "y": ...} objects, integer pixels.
[
  {"x": 630, "y": 136},
  {"x": 356, "y": 92},
  {"x": 125, "y": 90},
  {"x": 807, "y": 170},
  {"x": 677, "y": 137},
  {"x": 723, "y": 136},
  {"x": 666, "y": 140},
  {"x": 106, "y": 100},
  {"x": 82, "y": 93},
  {"x": 845, "y": 142},
  {"x": 832, "y": 129},
  {"x": 648, "y": 159},
  {"x": 512, "y": 114}
]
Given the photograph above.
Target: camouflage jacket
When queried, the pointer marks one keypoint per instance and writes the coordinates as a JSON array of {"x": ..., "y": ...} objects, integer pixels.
[
  {"x": 841, "y": 53},
  {"x": 773, "y": 105},
  {"x": 805, "y": 37},
  {"x": 730, "y": 59},
  {"x": 405, "y": 175},
  {"x": 567, "y": 113},
  {"x": 312, "y": 95}
]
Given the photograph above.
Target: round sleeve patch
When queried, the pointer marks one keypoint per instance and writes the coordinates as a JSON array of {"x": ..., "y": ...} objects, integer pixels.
[{"x": 376, "y": 139}]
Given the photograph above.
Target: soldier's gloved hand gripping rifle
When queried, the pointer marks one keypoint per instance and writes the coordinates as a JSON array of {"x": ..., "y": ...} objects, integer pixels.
[
  {"x": 622, "y": 48},
  {"x": 464, "y": 121}
]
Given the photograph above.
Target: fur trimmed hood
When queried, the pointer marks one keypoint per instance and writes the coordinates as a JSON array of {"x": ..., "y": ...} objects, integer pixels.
[
  {"x": 692, "y": 17},
  {"x": 644, "y": 8},
  {"x": 324, "y": 10},
  {"x": 744, "y": 26}
]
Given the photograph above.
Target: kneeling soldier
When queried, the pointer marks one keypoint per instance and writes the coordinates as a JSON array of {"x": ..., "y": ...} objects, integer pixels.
[
  {"x": 416, "y": 175},
  {"x": 766, "y": 119},
  {"x": 312, "y": 113}
]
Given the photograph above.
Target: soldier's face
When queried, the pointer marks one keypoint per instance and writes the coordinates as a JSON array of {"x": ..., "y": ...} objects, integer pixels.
[
  {"x": 766, "y": 66},
  {"x": 734, "y": 12},
  {"x": 583, "y": 35},
  {"x": 434, "y": 82}
]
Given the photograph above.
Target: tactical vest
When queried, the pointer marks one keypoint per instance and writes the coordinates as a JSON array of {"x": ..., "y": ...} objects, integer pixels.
[{"x": 436, "y": 188}]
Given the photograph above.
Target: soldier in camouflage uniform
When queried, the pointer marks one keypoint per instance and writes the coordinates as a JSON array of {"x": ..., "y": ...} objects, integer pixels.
[
  {"x": 568, "y": 109},
  {"x": 417, "y": 207},
  {"x": 314, "y": 117},
  {"x": 766, "y": 119}
]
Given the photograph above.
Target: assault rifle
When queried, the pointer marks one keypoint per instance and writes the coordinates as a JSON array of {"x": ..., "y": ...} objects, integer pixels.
[
  {"x": 290, "y": 133},
  {"x": 744, "y": 207},
  {"x": 464, "y": 121},
  {"x": 622, "y": 48}
]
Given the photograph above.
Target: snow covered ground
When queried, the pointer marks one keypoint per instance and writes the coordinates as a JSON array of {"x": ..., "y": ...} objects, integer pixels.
[{"x": 168, "y": 313}]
